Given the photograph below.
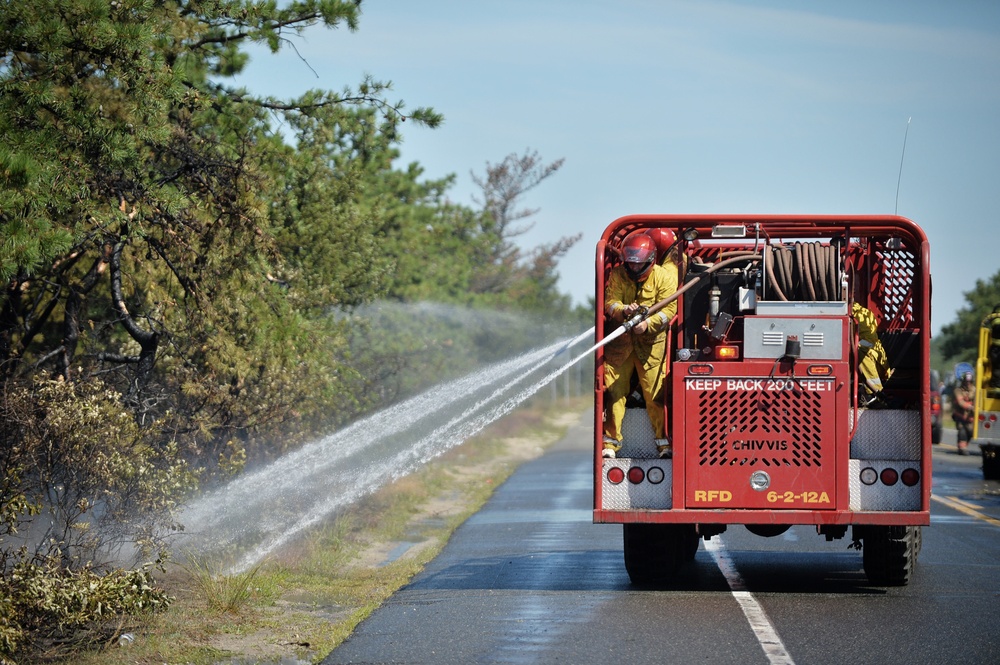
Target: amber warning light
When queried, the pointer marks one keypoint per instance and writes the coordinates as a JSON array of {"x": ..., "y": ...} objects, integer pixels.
[{"x": 727, "y": 352}]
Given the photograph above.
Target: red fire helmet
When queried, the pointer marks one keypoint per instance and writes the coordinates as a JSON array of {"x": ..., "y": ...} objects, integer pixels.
[
  {"x": 663, "y": 239},
  {"x": 639, "y": 252}
]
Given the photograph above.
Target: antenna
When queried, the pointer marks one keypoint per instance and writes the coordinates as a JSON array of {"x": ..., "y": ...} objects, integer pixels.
[{"x": 898, "y": 179}]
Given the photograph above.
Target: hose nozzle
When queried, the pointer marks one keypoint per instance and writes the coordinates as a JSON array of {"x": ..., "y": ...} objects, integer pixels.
[{"x": 636, "y": 318}]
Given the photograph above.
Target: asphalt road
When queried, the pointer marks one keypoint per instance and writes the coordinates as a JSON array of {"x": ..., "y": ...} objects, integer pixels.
[{"x": 530, "y": 579}]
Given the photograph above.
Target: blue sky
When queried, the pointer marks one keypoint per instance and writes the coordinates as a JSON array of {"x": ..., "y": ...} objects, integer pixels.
[{"x": 684, "y": 106}]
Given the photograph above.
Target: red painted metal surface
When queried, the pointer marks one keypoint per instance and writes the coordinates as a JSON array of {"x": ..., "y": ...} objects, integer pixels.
[
  {"x": 761, "y": 415},
  {"x": 746, "y": 419}
]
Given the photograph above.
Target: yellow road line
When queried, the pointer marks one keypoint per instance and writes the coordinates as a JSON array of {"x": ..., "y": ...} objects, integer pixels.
[
  {"x": 970, "y": 506},
  {"x": 963, "y": 507}
]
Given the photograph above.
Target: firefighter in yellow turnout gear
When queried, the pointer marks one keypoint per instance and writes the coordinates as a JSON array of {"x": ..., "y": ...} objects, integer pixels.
[
  {"x": 639, "y": 282},
  {"x": 872, "y": 359}
]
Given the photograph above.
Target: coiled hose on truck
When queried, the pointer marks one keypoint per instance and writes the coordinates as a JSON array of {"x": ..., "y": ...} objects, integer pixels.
[{"x": 804, "y": 271}]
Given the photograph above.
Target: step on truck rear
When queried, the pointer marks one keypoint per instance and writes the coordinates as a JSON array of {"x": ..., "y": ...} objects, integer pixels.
[{"x": 771, "y": 409}]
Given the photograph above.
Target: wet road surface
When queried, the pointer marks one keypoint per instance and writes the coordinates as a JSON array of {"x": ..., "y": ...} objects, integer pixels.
[{"x": 530, "y": 579}]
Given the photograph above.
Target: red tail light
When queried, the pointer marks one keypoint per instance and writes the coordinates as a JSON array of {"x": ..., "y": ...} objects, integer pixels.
[{"x": 889, "y": 477}]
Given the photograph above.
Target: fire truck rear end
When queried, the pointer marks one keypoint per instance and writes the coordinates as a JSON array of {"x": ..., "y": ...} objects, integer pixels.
[{"x": 772, "y": 420}]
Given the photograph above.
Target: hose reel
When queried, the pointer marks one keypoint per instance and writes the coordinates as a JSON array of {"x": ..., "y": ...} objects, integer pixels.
[{"x": 805, "y": 271}]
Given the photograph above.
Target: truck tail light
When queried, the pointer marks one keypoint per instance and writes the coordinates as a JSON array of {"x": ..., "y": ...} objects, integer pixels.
[
  {"x": 869, "y": 475},
  {"x": 819, "y": 370},
  {"x": 615, "y": 475},
  {"x": 889, "y": 477},
  {"x": 636, "y": 475}
]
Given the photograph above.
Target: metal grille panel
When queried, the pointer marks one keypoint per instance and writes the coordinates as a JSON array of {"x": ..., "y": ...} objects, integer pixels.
[
  {"x": 757, "y": 428},
  {"x": 782, "y": 429},
  {"x": 898, "y": 277}
]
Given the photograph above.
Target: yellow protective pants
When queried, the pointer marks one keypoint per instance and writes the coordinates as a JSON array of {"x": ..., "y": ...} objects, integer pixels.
[{"x": 622, "y": 357}]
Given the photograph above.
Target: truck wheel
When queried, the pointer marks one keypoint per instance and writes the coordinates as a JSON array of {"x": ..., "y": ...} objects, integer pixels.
[
  {"x": 689, "y": 542},
  {"x": 889, "y": 553},
  {"x": 991, "y": 461},
  {"x": 653, "y": 552}
]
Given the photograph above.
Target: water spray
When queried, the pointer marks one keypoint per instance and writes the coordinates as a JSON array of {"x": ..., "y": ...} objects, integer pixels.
[
  {"x": 258, "y": 513},
  {"x": 454, "y": 432},
  {"x": 573, "y": 342}
]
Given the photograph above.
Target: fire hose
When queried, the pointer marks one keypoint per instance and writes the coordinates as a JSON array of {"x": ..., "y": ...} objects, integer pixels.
[
  {"x": 653, "y": 309},
  {"x": 810, "y": 271}
]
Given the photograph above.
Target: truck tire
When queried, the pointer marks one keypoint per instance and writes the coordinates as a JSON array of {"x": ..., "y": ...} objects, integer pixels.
[
  {"x": 654, "y": 552},
  {"x": 889, "y": 553},
  {"x": 689, "y": 542},
  {"x": 991, "y": 461}
]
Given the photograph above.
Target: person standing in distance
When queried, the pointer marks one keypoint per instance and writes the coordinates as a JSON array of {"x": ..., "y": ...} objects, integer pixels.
[
  {"x": 638, "y": 282},
  {"x": 963, "y": 402}
]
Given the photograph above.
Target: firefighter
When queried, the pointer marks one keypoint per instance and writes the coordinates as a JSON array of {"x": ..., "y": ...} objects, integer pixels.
[
  {"x": 872, "y": 358},
  {"x": 639, "y": 282},
  {"x": 963, "y": 401}
]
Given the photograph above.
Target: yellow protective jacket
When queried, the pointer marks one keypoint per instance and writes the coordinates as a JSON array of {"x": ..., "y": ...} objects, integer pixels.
[
  {"x": 871, "y": 354},
  {"x": 637, "y": 352},
  {"x": 659, "y": 284}
]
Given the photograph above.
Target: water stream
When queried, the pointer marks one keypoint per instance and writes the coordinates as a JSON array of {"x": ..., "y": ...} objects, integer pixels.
[{"x": 257, "y": 513}]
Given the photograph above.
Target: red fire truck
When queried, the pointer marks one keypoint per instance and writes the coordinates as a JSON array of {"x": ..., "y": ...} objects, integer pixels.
[{"x": 772, "y": 417}]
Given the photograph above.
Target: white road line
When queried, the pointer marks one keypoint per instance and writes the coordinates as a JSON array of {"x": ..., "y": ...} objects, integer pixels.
[{"x": 767, "y": 636}]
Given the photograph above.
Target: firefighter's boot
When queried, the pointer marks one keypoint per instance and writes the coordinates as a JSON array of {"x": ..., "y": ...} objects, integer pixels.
[
  {"x": 611, "y": 448},
  {"x": 663, "y": 449}
]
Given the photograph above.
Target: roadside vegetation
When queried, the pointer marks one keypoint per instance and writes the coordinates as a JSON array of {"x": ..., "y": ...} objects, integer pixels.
[
  {"x": 304, "y": 601},
  {"x": 196, "y": 279}
]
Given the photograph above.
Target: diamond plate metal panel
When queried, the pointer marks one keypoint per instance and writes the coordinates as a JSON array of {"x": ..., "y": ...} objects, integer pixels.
[
  {"x": 645, "y": 495},
  {"x": 887, "y": 434},
  {"x": 879, "y": 496},
  {"x": 637, "y": 435}
]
